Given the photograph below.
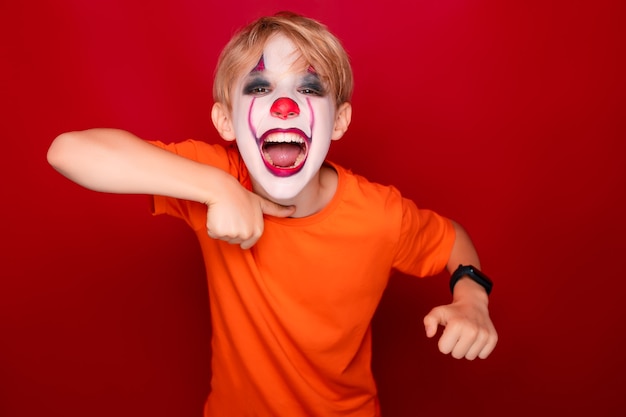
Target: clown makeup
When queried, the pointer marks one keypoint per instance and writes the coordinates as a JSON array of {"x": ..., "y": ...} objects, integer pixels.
[{"x": 283, "y": 120}]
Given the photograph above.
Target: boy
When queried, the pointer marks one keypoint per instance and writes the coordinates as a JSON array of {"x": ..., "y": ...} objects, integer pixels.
[{"x": 298, "y": 250}]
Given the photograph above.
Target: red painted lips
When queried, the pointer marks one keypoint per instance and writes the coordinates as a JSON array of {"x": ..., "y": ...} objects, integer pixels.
[{"x": 284, "y": 151}]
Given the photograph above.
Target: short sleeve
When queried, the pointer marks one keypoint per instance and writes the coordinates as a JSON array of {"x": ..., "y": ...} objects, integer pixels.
[
  {"x": 194, "y": 213},
  {"x": 425, "y": 242}
]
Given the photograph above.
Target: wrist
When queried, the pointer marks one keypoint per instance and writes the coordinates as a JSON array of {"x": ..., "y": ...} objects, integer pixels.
[
  {"x": 473, "y": 274},
  {"x": 467, "y": 290},
  {"x": 215, "y": 183}
]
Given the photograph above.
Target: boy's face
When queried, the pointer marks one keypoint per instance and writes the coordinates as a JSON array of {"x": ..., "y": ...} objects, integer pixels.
[{"x": 283, "y": 120}]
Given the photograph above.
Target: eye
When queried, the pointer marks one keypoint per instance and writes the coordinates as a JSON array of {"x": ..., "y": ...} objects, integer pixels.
[
  {"x": 257, "y": 87},
  {"x": 258, "y": 91},
  {"x": 311, "y": 91}
]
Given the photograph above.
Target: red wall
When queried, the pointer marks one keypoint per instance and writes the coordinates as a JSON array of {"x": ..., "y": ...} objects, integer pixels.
[{"x": 506, "y": 116}]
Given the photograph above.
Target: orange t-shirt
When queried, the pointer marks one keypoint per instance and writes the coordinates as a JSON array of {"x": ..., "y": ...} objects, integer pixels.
[{"x": 291, "y": 316}]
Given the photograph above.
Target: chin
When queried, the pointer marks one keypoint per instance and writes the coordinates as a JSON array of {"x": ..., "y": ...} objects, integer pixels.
[
  {"x": 284, "y": 190},
  {"x": 284, "y": 197}
]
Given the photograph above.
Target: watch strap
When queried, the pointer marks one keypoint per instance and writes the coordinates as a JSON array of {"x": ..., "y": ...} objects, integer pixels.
[{"x": 474, "y": 274}]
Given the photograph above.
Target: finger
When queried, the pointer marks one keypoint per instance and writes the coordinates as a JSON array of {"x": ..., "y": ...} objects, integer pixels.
[
  {"x": 247, "y": 244},
  {"x": 232, "y": 240},
  {"x": 235, "y": 233},
  {"x": 449, "y": 339},
  {"x": 475, "y": 348},
  {"x": 244, "y": 242},
  {"x": 226, "y": 237},
  {"x": 431, "y": 323},
  {"x": 470, "y": 344},
  {"x": 490, "y": 346},
  {"x": 276, "y": 210}
]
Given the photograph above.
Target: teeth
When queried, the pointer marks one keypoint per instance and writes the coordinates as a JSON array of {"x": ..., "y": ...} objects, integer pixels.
[
  {"x": 298, "y": 160},
  {"x": 284, "y": 138}
]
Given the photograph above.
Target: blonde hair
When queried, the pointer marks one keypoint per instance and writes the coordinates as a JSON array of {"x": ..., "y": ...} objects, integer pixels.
[{"x": 318, "y": 47}]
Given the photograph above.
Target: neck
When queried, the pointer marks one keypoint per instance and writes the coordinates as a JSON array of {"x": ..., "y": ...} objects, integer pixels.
[{"x": 314, "y": 196}]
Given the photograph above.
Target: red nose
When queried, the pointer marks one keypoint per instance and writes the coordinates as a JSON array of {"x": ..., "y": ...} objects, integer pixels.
[{"x": 284, "y": 108}]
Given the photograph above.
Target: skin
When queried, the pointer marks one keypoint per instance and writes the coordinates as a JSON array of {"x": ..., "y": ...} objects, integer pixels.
[
  {"x": 282, "y": 94},
  {"x": 115, "y": 161}
]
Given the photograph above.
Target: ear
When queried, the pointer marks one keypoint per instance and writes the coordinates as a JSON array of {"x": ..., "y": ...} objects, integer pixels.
[
  {"x": 222, "y": 122},
  {"x": 342, "y": 120}
]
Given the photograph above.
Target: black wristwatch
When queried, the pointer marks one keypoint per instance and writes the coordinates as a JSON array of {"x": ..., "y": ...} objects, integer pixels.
[{"x": 472, "y": 273}]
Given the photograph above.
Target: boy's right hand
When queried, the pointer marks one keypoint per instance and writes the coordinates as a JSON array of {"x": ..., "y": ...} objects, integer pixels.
[{"x": 235, "y": 215}]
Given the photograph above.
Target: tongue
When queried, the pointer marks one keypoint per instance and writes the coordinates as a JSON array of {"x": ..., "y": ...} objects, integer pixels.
[{"x": 283, "y": 154}]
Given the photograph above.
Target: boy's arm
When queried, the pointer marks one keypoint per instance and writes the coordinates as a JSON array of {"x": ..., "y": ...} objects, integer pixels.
[
  {"x": 116, "y": 161},
  {"x": 469, "y": 331}
]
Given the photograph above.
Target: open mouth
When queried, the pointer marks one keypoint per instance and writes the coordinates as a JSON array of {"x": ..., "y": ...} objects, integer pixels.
[{"x": 284, "y": 151}]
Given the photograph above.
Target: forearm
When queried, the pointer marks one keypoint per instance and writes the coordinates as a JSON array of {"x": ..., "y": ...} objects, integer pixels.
[
  {"x": 464, "y": 253},
  {"x": 469, "y": 331},
  {"x": 116, "y": 161}
]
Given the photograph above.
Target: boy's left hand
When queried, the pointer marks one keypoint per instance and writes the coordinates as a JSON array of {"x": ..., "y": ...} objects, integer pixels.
[{"x": 469, "y": 332}]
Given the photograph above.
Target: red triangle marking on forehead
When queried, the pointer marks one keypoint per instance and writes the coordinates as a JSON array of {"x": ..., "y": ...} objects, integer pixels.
[{"x": 260, "y": 66}]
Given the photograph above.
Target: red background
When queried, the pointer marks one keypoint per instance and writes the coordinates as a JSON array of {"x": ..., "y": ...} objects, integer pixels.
[{"x": 506, "y": 116}]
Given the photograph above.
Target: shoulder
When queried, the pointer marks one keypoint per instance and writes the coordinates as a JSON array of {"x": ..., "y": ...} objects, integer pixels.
[
  {"x": 383, "y": 202},
  {"x": 359, "y": 187},
  {"x": 371, "y": 204},
  {"x": 194, "y": 149},
  {"x": 220, "y": 156}
]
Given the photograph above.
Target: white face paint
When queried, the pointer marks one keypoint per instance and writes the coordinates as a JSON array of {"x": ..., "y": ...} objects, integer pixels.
[{"x": 283, "y": 120}]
